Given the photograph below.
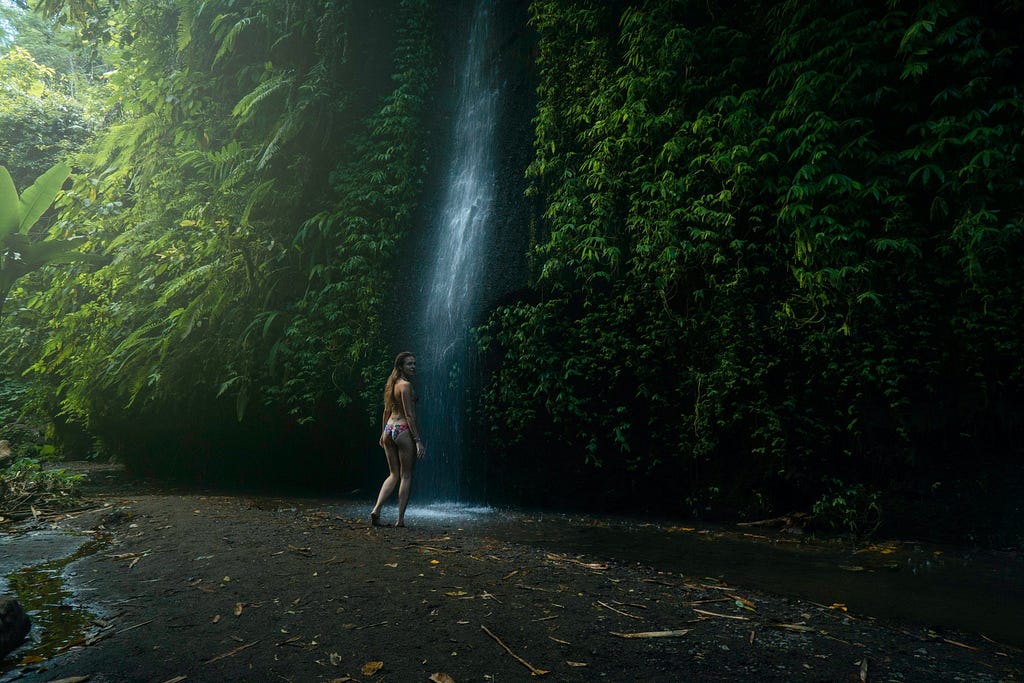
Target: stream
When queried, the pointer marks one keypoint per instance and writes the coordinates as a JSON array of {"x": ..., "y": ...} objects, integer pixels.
[{"x": 32, "y": 565}]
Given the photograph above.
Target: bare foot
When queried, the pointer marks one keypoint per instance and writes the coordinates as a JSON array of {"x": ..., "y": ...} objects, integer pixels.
[{"x": 375, "y": 518}]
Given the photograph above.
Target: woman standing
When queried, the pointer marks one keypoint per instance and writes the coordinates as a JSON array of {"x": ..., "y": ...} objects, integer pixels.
[{"x": 400, "y": 436}]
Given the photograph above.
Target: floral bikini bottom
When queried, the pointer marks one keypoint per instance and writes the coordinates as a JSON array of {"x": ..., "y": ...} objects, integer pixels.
[{"x": 395, "y": 430}]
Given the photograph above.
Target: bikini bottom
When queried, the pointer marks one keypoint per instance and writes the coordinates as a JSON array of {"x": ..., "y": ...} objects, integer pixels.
[{"x": 395, "y": 430}]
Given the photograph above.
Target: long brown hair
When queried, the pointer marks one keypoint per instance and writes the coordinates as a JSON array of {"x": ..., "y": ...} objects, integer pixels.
[{"x": 396, "y": 374}]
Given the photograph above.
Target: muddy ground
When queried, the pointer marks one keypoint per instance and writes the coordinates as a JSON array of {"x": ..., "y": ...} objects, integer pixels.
[{"x": 193, "y": 587}]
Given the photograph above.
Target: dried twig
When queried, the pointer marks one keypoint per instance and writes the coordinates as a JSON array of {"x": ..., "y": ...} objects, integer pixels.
[
  {"x": 723, "y": 616},
  {"x": 379, "y": 623},
  {"x": 959, "y": 644},
  {"x": 588, "y": 565},
  {"x": 430, "y": 547},
  {"x": 618, "y": 611},
  {"x": 130, "y": 628},
  {"x": 705, "y": 602},
  {"x": 653, "y": 634},
  {"x": 232, "y": 653},
  {"x": 533, "y": 670}
]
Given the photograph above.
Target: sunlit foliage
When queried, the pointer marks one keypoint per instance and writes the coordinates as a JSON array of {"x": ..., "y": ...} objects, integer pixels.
[{"x": 262, "y": 157}]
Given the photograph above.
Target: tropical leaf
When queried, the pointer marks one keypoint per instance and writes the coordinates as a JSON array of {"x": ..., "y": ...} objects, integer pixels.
[
  {"x": 39, "y": 196},
  {"x": 10, "y": 213}
]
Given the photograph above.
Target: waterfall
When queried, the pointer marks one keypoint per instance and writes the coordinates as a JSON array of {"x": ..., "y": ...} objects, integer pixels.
[{"x": 452, "y": 291}]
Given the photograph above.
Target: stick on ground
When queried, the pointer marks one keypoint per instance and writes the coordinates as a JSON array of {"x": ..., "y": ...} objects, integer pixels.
[{"x": 533, "y": 670}]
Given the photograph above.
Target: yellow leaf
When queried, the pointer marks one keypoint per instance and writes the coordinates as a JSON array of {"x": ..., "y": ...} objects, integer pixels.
[
  {"x": 441, "y": 678},
  {"x": 838, "y": 606},
  {"x": 371, "y": 668},
  {"x": 216, "y": 618},
  {"x": 31, "y": 659},
  {"x": 391, "y": 564},
  {"x": 576, "y": 663},
  {"x": 435, "y": 562},
  {"x": 238, "y": 609}
]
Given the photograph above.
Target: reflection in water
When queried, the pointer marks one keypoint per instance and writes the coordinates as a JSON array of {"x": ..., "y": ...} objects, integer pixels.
[
  {"x": 974, "y": 591},
  {"x": 57, "y": 620}
]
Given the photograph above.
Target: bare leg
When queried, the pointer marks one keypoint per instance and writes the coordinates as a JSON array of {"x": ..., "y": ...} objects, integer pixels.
[
  {"x": 391, "y": 453},
  {"x": 407, "y": 463}
]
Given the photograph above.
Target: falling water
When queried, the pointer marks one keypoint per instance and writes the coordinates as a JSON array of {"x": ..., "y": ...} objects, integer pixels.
[{"x": 453, "y": 289}]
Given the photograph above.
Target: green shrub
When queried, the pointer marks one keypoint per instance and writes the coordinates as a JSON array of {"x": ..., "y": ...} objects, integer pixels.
[{"x": 851, "y": 508}]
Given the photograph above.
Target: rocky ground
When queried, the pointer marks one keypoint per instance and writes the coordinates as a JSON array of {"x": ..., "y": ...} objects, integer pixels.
[{"x": 191, "y": 587}]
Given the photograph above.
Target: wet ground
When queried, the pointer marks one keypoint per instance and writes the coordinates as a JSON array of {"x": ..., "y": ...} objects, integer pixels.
[
  {"x": 158, "y": 589},
  {"x": 923, "y": 585},
  {"x": 28, "y": 548}
]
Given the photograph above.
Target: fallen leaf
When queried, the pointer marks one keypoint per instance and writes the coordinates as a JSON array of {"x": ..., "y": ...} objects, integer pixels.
[
  {"x": 435, "y": 562},
  {"x": 238, "y": 608},
  {"x": 226, "y": 579},
  {"x": 576, "y": 663},
  {"x": 371, "y": 668},
  {"x": 176, "y": 679},
  {"x": 335, "y": 659},
  {"x": 456, "y": 594},
  {"x": 31, "y": 659},
  {"x": 838, "y": 606},
  {"x": 216, "y": 618},
  {"x": 742, "y": 602},
  {"x": 343, "y": 679},
  {"x": 391, "y": 564},
  {"x": 441, "y": 678}
]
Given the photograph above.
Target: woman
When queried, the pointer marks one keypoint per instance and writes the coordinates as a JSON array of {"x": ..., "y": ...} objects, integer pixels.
[{"x": 400, "y": 436}]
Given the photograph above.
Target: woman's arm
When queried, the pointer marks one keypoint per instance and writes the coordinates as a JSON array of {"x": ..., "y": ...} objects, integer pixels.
[{"x": 383, "y": 425}]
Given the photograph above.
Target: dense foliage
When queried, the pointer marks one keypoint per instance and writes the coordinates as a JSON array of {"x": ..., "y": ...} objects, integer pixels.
[
  {"x": 773, "y": 243},
  {"x": 262, "y": 158},
  {"x": 776, "y": 252}
]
